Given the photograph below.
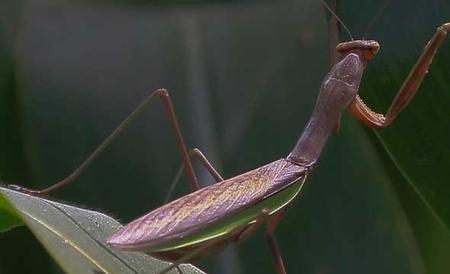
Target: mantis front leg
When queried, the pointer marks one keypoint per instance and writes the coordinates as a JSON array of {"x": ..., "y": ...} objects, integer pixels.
[{"x": 407, "y": 91}]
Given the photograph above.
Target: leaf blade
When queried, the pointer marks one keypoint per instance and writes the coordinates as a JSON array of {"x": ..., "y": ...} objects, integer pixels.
[
  {"x": 75, "y": 237},
  {"x": 9, "y": 218}
]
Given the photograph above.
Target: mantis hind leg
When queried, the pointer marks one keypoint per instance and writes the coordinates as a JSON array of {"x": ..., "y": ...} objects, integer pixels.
[
  {"x": 276, "y": 254},
  {"x": 238, "y": 234},
  {"x": 407, "y": 91},
  {"x": 272, "y": 243},
  {"x": 194, "y": 153},
  {"x": 271, "y": 223},
  {"x": 197, "y": 153},
  {"x": 165, "y": 97}
]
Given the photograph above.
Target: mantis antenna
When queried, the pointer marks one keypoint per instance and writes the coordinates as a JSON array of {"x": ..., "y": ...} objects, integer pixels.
[
  {"x": 337, "y": 18},
  {"x": 376, "y": 17}
]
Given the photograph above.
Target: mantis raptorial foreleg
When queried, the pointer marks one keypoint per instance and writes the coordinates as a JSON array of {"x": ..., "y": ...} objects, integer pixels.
[
  {"x": 165, "y": 97},
  {"x": 407, "y": 91}
]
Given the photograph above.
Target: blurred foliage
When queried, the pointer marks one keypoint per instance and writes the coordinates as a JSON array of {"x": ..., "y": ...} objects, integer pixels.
[
  {"x": 417, "y": 142},
  {"x": 244, "y": 76}
]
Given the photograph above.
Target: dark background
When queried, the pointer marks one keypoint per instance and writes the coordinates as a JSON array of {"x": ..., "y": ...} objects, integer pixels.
[{"x": 244, "y": 76}]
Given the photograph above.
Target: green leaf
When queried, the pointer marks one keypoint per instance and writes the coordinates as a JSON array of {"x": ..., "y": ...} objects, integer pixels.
[
  {"x": 8, "y": 216},
  {"x": 416, "y": 146},
  {"x": 417, "y": 141},
  {"x": 75, "y": 237}
]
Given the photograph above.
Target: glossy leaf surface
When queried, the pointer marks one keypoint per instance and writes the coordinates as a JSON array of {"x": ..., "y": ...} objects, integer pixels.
[{"x": 75, "y": 237}]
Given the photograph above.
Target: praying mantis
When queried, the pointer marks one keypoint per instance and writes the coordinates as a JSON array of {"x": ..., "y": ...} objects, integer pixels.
[{"x": 273, "y": 185}]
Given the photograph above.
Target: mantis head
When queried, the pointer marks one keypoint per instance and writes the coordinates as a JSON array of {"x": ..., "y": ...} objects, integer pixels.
[{"x": 367, "y": 48}]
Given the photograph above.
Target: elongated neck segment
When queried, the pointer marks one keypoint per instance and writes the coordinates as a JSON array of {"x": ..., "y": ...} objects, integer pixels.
[{"x": 338, "y": 89}]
